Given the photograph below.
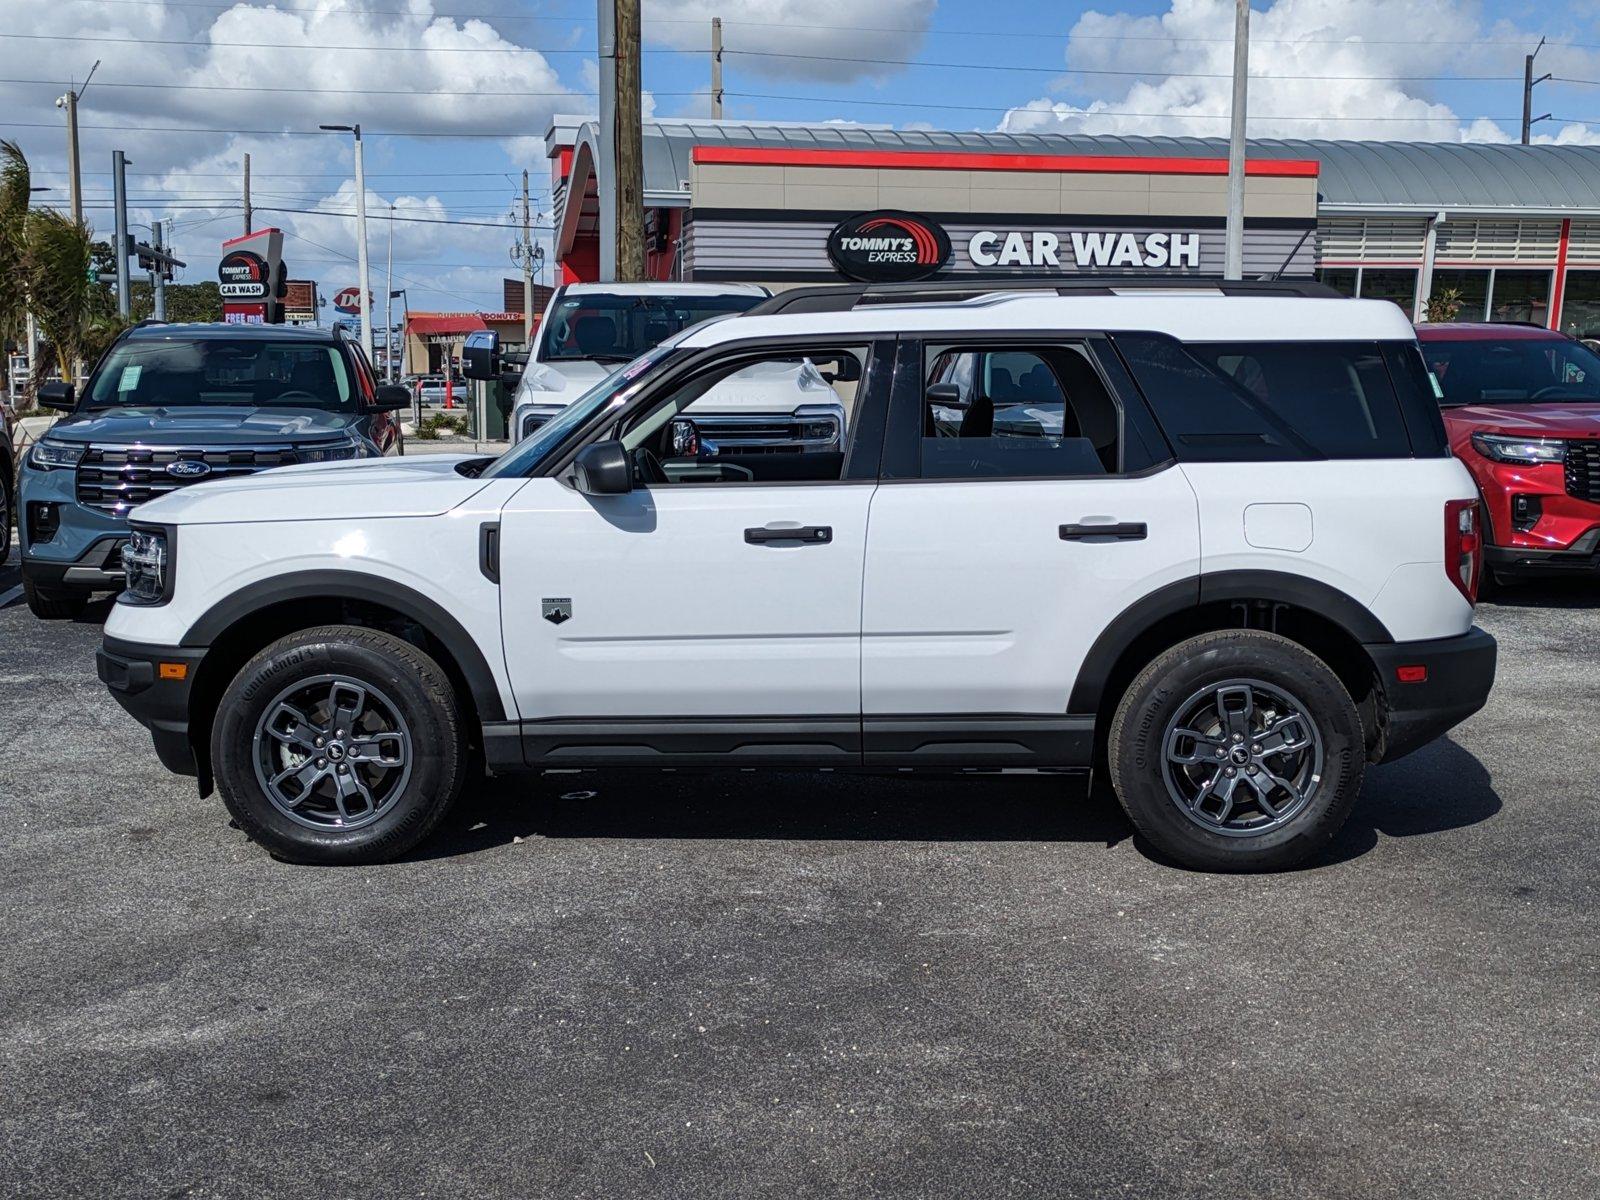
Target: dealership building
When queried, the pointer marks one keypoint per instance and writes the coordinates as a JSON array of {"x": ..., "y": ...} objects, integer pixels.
[{"x": 1513, "y": 231}]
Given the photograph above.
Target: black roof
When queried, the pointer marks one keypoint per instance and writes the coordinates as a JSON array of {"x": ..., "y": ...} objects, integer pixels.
[{"x": 152, "y": 330}]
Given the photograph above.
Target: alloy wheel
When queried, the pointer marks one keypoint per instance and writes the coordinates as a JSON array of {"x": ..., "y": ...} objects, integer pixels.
[
  {"x": 332, "y": 752},
  {"x": 1241, "y": 757}
]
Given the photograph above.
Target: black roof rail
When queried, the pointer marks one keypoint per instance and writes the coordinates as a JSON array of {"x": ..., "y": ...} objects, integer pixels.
[{"x": 842, "y": 297}]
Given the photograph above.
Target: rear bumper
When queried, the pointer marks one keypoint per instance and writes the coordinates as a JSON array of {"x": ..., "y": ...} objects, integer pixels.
[
  {"x": 1459, "y": 671},
  {"x": 155, "y": 697}
]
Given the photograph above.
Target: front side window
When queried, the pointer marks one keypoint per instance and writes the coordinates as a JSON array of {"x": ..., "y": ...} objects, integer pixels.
[
  {"x": 1016, "y": 412},
  {"x": 243, "y": 372},
  {"x": 1513, "y": 370},
  {"x": 774, "y": 417},
  {"x": 598, "y": 327}
]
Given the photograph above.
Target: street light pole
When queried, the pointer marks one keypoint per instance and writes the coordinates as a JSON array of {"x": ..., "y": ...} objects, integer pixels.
[
  {"x": 1233, "y": 258},
  {"x": 364, "y": 283},
  {"x": 119, "y": 250},
  {"x": 70, "y": 103},
  {"x": 388, "y": 307}
]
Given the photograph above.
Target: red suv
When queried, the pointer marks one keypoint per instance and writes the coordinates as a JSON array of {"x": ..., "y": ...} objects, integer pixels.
[{"x": 1522, "y": 407}]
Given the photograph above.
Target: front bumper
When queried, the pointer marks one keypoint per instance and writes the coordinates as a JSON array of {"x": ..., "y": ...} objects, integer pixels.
[
  {"x": 83, "y": 553},
  {"x": 153, "y": 683},
  {"x": 1581, "y": 558},
  {"x": 1457, "y": 675},
  {"x": 98, "y": 569}
]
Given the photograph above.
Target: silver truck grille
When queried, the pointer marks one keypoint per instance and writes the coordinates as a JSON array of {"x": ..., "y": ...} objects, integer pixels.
[{"x": 114, "y": 479}]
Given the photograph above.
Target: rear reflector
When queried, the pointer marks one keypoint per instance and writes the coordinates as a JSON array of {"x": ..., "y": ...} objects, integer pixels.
[{"x": 1412, "y": 674}]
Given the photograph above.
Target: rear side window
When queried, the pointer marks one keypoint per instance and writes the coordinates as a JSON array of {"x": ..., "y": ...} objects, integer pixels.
[
  {"x": 1413, "y": 387},
  {"x": 1254, "y": 401}
]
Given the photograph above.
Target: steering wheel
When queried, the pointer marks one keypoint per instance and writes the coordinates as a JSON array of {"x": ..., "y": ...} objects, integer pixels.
[
  {"x": 647, "y": 467},
  {"x": 297, "y": 394},
  {"x": 1547, "y": 390}
]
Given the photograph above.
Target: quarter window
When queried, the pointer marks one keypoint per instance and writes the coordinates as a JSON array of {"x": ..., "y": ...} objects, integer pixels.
[{"x": 1016, "y": 412}]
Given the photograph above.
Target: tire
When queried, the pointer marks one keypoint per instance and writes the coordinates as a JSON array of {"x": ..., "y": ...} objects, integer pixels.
[
  {"x": 8, "y": 506},
  {"x": 54, "y": 604},
  {"x": 1232, "y": 814},
  {"x": 396, "y": 779}
]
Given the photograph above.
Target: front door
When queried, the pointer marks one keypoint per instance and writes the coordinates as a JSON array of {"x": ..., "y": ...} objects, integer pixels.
[
  {"x": 718, "y": 595},
  {"x": 1022, "y": 510}
]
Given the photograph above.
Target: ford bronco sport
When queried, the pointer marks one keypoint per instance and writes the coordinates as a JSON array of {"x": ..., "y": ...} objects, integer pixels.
[{"x": 1228, "y": 556}]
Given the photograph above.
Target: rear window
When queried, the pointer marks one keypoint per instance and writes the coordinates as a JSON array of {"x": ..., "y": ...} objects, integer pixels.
[{"x": 1226, "y": 401}]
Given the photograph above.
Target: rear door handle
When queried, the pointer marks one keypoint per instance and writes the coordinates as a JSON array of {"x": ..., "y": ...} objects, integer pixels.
[
  {"x": 1121, "y": 531},
  {"x": 794, "y": 533}
]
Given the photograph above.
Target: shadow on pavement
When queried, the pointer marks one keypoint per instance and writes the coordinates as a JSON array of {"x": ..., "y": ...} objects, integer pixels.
[{"x": 1557, "y": 593}]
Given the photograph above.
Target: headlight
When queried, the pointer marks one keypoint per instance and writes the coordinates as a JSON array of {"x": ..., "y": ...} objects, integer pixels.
[
  {"x": 333, "y": 452},
  {"x": 145, "y": 567},
  {"x": 48, "y": 455},
  {"x": 1528, "y": 451}
]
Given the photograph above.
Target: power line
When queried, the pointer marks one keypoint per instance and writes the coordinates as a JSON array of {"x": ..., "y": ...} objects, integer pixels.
[
  {"x": 323, "y": 212},
  {"x": 299, "y": 91}
]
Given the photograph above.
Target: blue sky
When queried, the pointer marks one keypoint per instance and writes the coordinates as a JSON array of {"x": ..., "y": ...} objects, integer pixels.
[{"x": 257, "y": 77}]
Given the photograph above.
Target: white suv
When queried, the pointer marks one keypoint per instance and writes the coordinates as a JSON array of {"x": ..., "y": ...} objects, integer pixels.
[{"x": 1213, "y": 541}]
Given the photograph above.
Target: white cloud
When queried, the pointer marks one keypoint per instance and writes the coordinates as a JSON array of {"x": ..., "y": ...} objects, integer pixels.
[
  {"x": 1379, "y": 47},
  {"x": 825, "y": 37}
]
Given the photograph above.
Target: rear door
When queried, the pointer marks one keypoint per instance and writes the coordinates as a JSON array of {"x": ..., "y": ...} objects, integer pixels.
[{"x": 1026, "y": 502}]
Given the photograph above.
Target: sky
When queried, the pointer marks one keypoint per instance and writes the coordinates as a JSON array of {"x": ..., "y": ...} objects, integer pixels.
[{"x": 455, "y": 96}]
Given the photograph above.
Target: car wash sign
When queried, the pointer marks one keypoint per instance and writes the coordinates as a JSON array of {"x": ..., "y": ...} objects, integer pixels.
[
  {"x": 243, "y": 275},
  {"x": 887, "y": 247},
  {"x": 1085, "y": 250}
]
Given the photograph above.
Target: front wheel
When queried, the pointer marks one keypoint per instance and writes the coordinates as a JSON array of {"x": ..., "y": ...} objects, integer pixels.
[
  {"x": 54, "y": 604},
  {"x": 339, "y": 745},
  {"x": 1237, "y": 751}
]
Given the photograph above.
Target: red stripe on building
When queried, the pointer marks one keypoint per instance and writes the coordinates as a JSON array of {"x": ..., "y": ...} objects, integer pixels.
[
  {"x": 1558, "y": 285},
  {"x": 940, "y": 160}
]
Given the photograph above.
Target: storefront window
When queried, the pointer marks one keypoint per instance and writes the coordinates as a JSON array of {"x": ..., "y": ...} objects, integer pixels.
[
  {"x": 1580, "y": 308},
  {"x": 1471, "y": 288},
  {"x": 1521, "y": 296},
  {"x": 1340, "y": 279},
  {"x": 1399, "y": 286}
]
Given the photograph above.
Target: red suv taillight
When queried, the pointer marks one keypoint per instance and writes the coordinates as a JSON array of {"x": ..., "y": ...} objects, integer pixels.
[{"x": 1463, "y": 547}]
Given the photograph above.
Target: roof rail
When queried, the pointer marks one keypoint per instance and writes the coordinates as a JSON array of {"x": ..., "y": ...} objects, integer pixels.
[{"x": 842, "y": 297}]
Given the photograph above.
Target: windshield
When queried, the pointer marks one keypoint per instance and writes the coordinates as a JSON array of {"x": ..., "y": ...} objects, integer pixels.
[
  {"x": 247, "y": 372},
  {"x": 527, "y": 454},
  {"x": 1513, "y": 371},
  {"x": 609, "y": 328}
]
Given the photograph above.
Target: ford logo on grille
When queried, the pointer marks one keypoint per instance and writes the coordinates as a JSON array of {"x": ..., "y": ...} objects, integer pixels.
[{"x": 188, "y": 468}]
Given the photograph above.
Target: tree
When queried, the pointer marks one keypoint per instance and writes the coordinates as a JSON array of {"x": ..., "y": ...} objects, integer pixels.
[
  {"x": 16, "y": 185},
  {"x": 185, "y": 301},
  {"x": 73, "y": 310},
  {"x": 1443, "y": 305}
]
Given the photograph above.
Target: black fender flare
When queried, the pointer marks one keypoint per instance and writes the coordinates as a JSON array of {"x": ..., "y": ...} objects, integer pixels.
[
  {"x": 1327, "y": 601},
  {"x": 372, "y": 589}
]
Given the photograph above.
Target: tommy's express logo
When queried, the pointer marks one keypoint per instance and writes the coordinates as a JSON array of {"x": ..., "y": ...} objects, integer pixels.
[{"x": 888, "y": 246}]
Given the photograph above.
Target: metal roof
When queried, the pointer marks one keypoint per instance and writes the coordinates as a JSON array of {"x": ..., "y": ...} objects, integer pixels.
[{"x": 1357, "y": 176}]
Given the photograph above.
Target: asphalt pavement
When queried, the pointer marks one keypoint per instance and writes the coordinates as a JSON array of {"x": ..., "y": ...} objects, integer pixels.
[{"x": 802, "y": 985}]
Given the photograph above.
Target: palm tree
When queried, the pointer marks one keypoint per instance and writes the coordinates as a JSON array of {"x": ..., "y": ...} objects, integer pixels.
[
  {"x": 16, "y": 185},
  {"x": 73, "y": 311}
]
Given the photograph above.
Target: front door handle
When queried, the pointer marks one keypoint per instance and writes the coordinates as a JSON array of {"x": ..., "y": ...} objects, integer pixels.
[
  {"x": 794, "y": 533},
  {"x": 1121, "y": 531}
]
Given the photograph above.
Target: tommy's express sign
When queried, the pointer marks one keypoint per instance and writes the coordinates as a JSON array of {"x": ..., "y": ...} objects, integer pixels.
[{"x": 1092, "y": 250}]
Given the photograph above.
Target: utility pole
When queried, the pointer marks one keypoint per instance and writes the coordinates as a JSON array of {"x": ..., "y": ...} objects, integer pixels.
[
  {"x": 716, "y": 68},
  {"x": 526, "y": 255},
  {"x": 1233, "y": 259},
  {"x": 119, "y": 248},
  {"x": 606, "y": 167},
  {"x": 70, "y": 103},
  {"x": 249, "y": 212},
  {"x": 630, "y": 146},
  {"x": 365, "y": 282},
  {"x": 1528, "y": 119},
  {"x": 388, "y": 306},
  {"x": 158, "y": 273}
]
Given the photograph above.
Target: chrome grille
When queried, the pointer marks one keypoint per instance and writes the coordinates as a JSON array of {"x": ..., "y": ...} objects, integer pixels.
[
  {"x": 765, "y": 434},
  {"x": 1583, "y": 469},
  {"x": 116, "y": 478}
]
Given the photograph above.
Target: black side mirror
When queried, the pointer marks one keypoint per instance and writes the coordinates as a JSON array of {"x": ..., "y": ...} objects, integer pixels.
[
  {"x": 58, "y": 395},
  {"x": 480, "y": 355},
  {"x": 603, "y": 469},
  {"x": 510, "y": 379},
  {"x": 391, "y": 397},
  {"x": 946, "y": 395}
]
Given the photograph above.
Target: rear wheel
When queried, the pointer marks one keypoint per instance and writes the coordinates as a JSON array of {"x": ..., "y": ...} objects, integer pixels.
[
  {"x": 54, "y": 604},
  {"x": 7, "y": 506},
  {"x": 339, "y": 745},
  {"x": 1237, "y": 751}
]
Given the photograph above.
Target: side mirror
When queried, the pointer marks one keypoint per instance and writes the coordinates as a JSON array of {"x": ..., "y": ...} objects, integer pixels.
[
  {"x": 391, "y": 397},
  {"x": 947, "y": 395},
  {"x": 510, "y": 379},
  {"x": 603, "y": 469},
  {"x": 60, "y": 396},
  {"x": 480, "y": 355}
]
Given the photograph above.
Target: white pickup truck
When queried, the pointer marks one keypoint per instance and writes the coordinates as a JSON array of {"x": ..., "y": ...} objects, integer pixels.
[{"x": 590, "y": 329}]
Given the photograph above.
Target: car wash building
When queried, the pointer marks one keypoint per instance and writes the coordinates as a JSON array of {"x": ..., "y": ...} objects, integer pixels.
[{"x": 1513, "y": 232}]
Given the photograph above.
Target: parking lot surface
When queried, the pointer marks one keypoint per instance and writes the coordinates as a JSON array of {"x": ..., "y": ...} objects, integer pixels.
[{"x": 699, "y": 985}]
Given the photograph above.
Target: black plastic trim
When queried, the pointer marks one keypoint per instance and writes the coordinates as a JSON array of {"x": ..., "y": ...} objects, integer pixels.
[
  {"x": 129, "y": 671},
  {"x": 1460, "y": 676},
  {"x": 351, "y": 585},
  {"x": 489, "y": 551},
  {"x": 1002, "y": 740}
]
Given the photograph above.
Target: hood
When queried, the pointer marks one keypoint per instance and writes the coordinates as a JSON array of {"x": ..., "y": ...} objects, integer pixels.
[
  {"x": 195, "y": 425},
  {"x": 1556, "y": 419},
  {"x": 563, "y": 382},
  {"x": 361, "y": 489}
]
